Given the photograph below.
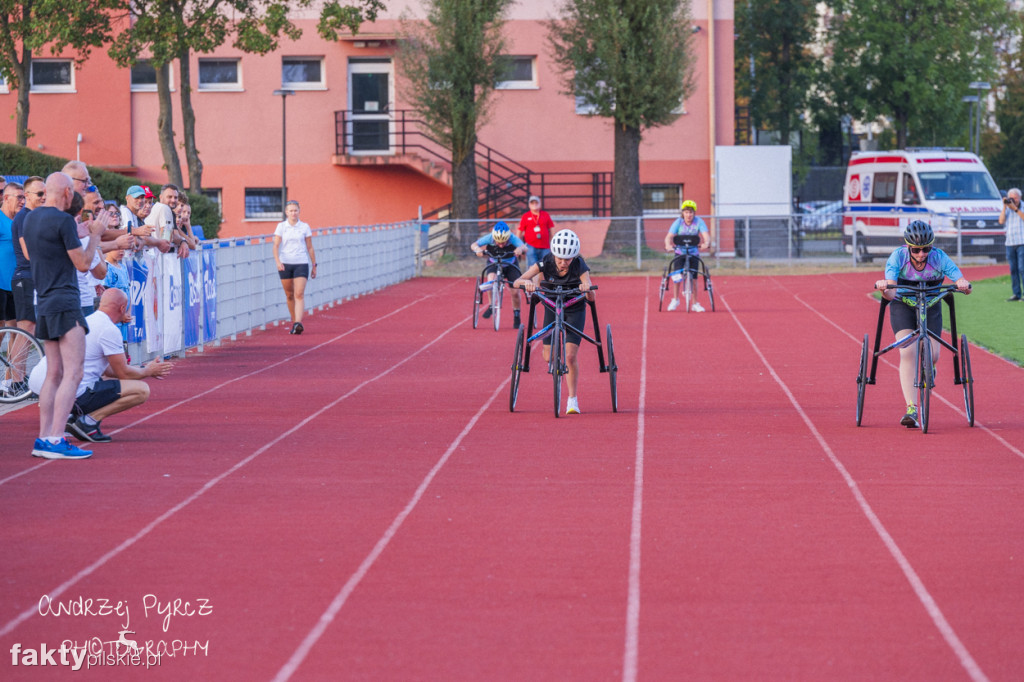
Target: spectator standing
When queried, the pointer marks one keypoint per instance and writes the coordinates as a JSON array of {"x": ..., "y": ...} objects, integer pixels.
[
  {"x": 133, "y": 216},
  {"x": 90, "y": 282},
  {"x": 1013, "y": 218},
  {"x": 119, "y": 278},
  {"x": 161, "y": 219},
  {"x": 79, "y": 174},
  {"x": 109, "y": 384},
  {"x": 295, "y": 260},
  {"x": 535, "y": 229},
  {"x": 21, "y": 282},
  {"x": 13, "y": 197},
  {"x": 183, "y": 218},
  {"x": 55, "y": 253}
]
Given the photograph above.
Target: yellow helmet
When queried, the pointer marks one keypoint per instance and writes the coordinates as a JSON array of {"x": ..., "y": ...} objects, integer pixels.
[{"x": 689, "y": 204}]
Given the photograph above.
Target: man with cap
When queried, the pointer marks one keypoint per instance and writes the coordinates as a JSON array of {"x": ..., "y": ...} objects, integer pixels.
[
  {"x": 535, "y": 229},
  {"x": 133, "y": 215}
]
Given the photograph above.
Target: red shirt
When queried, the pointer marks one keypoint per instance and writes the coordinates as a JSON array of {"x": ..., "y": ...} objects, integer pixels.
[{"x": 536, "y": 229}]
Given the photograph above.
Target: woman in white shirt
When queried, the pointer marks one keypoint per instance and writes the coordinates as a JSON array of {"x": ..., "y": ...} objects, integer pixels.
[{"x": 296, "y": 262}]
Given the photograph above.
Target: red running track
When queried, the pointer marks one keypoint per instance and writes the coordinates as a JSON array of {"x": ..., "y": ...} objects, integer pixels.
[{"x": 358, "y": 503}]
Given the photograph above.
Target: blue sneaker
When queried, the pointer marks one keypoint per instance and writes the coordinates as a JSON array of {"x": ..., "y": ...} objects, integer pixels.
[{"x": 62, "y": 449}]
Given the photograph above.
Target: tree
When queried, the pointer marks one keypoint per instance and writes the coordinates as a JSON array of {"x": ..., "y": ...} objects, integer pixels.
[
  {"x": 27, "y": 26},
  {"x": 631, "y": 61},
  {"x": 172, "y": 29},
  {"x": 1002, "y": 151},
  {"x": 451, "y": 64},
  {"x": 910, "y": 61},
  {"x": 777, "y": 35}
]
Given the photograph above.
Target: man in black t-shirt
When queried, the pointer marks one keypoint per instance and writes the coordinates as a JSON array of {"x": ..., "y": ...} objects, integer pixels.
[{"x": 55, "y": 254}]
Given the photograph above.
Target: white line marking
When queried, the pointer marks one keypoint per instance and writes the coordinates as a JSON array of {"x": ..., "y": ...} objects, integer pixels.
[
  {"x": 60, "y": 589},
  {"x": 629, "y": 665},
  {"x": 352, "y": 583},
  {"x": 945, "y": 629},
  {"x": 26, "y": 471}
]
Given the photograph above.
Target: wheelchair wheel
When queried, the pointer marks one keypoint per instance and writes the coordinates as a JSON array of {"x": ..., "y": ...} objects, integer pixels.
[
  {"x": 556, "y": 368},
  {"x": 862, "y": 379},
  {"x": 478, "y": 297},
  {"x": 687, "y": 290},
  {"x": 711, "y": 293},
  {"x": 662, "y": 290},
  {"x": 497, "y": 292},
  {"x": 612, "y": 369},
  {"x": 517, "y": 370},
  {"x": 20, "y": 352},
  {"x": 967, "y": 379},
  {"x": 925, "y": 380}
]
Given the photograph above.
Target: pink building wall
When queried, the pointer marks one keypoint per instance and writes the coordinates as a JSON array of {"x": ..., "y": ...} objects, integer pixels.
[{"x": 239, "y": 132}]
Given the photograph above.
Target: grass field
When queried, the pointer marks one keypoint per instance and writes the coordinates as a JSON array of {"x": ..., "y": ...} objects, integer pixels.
[{"x": 989, "y": 320}]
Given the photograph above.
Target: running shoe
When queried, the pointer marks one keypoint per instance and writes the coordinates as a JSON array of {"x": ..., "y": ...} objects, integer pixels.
[
  {"x": 62, "y": 449},
  {"x": 82, "y": 431},
  {"x": 572, "y": 406},
  {"x": 673, "y": 304},
  {"x": 487, "y": 312},
  {"x": 910, "y": 418},
  {"x": 697, "y": 307}
]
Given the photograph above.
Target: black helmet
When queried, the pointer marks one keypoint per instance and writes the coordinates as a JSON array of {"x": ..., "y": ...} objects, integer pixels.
[{"x": 918, "y": 233}]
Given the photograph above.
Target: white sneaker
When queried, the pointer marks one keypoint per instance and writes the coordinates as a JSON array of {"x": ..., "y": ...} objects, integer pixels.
[
  {"x": 673, "y": 304},
  {"x": 697, "y": 307},
  {"x": 572, "y": 406}
]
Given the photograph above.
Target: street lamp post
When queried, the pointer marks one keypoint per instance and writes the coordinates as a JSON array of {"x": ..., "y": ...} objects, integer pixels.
[
  {"x": 980, "y": 86},
  {"x": 283, "y": 94},
  {"x": 971, "y": 101}
]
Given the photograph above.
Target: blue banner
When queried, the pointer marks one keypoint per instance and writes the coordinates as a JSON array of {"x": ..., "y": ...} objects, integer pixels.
[
  {"x": 209, "y": 295},
  {"x": 139, "y": 275},
  {"x": 193, "y": 290}
]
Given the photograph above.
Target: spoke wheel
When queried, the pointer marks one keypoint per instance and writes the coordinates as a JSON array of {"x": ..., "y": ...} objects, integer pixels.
[
  {"x": 967, "y": 379},
  {"x": 496, "y": 296},
  {"x": 662, "y": 290},
  {"x": 478, "y": 297},
  {"x": 613, "y": 369},
  {"x": 862, "y": 379},
  {"x": 687, "y": 289},
  {"x": 925, "y": 379},
  {"x": 20, "y": 352},
  {"x": 556, "y": 369},
  {"x": 517, "y": 370},
  {"x": 711, "y": 295}
]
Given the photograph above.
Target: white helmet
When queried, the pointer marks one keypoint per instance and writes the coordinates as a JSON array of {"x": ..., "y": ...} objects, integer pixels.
[{"x": 565, "y": 244}]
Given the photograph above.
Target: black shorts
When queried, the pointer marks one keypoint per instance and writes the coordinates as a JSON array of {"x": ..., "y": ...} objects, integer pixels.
[
  {"x": 902, "y": 316},
  {"x": 680, "y": 261},
  {"x": 52, "y": 327},
  {"x": 24, "y": 299},
  {"x": 576, "y": 316},
  {"x": 510, "y": 270},
  {"x": 7, "y": 311},
  {"x": 102, "y": 393},
  {"x": 294, "y": 271}
]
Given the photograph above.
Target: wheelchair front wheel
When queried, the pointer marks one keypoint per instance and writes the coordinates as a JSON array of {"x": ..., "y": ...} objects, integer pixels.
[
  {"x": 612, "y": 369},
  {"x": 862, "y": 379},
  {"x": 967, "y": 379}
]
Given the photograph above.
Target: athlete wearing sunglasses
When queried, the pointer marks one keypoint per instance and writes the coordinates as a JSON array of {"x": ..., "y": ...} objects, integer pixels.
[{"x": 915, "y": 262}]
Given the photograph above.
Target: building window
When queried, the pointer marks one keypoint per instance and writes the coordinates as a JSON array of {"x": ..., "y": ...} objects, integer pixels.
[
  {"x": 144, "y": 76},
  {"x": 263, "y": 203},
  {"x": 214, "y": 195},
  {"x": 662, "y": 199},
  {"x": 518, "y": 74},
  {"x": 52, "y": 75},
  {"x": 220, "y": 74},
  {"x": 3, "y": 85},
  {"x": 303, "y": 73}
]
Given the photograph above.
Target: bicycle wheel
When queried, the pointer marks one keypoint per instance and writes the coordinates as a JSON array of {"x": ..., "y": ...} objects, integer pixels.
[
  {"x": 517, "y": 370},
  {"x": 662, "y": 290},
  {"x": 478, "y": 297},
  {"x": 924, "y": 388},
  {"x": 556, "y": 368},
  {"x": 711, "y": 294},
  {"x": 612, "y": 369},
  {"x": 496, "y": 295},
  {"x": 687, "y": 289},
  {"x": 862, "y": 379},
  {"x": 20, "y": 352},
  {"x": 967, "y": 379}
]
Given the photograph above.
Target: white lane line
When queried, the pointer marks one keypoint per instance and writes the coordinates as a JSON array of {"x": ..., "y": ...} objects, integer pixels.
[
  {"x": 632, "y": 651},
  {"x": 55, "y": 593},
  {"x": 314, "y": 635},
  {"x": 977, "y": 423},
  {"x": 943, "y": 626}
]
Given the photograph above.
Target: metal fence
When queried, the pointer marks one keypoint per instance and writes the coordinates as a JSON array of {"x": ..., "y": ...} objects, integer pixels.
[{"x": 351, "y": 261}]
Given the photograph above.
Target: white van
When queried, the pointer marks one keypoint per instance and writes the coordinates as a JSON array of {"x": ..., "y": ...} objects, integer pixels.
[{"x": 948, "y": 189}]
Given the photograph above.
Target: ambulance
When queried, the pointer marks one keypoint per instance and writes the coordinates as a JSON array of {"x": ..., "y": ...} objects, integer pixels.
[{"x": 949, "y": 189}]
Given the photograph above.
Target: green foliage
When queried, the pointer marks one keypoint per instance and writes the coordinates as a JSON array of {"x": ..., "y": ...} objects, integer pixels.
[
  {"x": 19, "y": 160},
  {"x": 336, "y": 18},
  {"x": 910, "y": 61},
  {"x": 630, "y": 59},
  {"x": 988, "y": 320}
]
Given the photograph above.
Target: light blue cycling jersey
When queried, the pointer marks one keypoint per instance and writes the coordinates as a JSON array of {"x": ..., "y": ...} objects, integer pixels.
[
  {"x": 936, "y": 267},
  {"x": 505, "y": 253},
  {"x": 696, "y": 227}
]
